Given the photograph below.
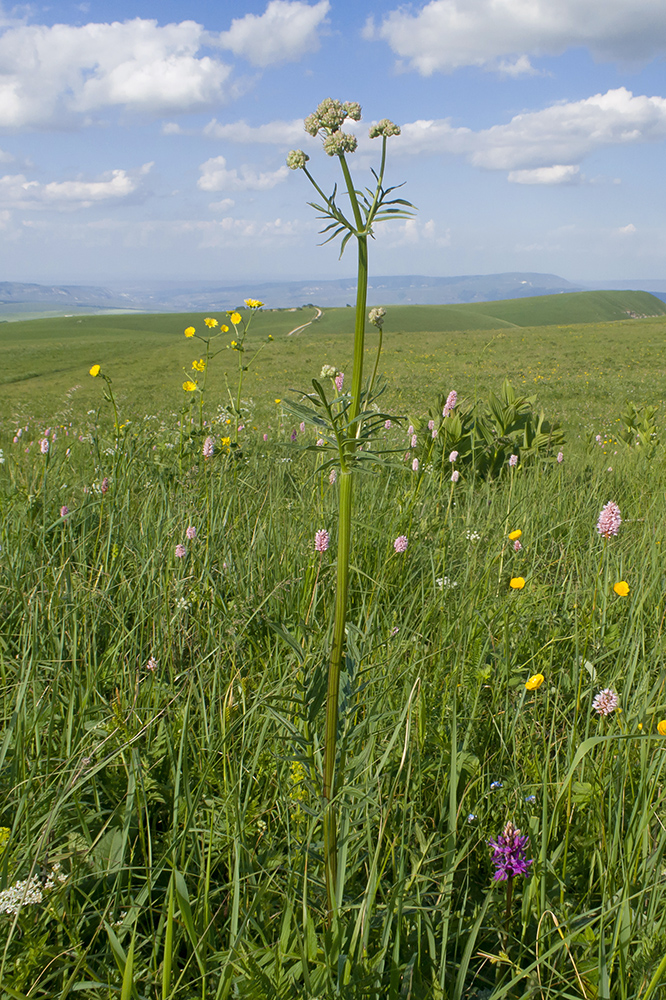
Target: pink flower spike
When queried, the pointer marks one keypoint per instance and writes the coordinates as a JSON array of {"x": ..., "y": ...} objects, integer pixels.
[
  {"x": 410, "y": 430},
  {"x": 415, "y": 465},
  {"x": 191, "y": 532},
  {"x": 609, "y": 520},
  {"x": 44, "y": 446},
  {"x": 332, "y": 476},
  {"x": 414, "y": 440},
  {"x": 560, "y": 457},
  {"x": 180, "y": 551},
  {"x": 339, "y": 381},
  {"x": 431, "y": 425},
  {"x": 105, "y": 485},
  {"x": 455, "y": 476},
  {"x": 400, "y": 544},
  {"x": 265, "y": 437},
  {"x": 387, "y": 425},
  {"x": 513, "y": 461},
  {"x": 605, "y": 702},
  {"x": 64, "y": 510},
  {"x": 453, "y": 456},
  {"x": 302, "y": 427},
  {"x": 450, "y": 404},
  {"x": 322, "y": 540},
  {"x": 208, "y": 447},
  {"x": 152, "y": 664},
  {"x": 517, "y": 546}
]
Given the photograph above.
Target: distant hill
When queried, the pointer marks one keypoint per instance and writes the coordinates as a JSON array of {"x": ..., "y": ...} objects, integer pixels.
[
  {"x": 480, "y": 294},
  {"x": 19, "y": 300},
  {"x": 543, "y": 310}
]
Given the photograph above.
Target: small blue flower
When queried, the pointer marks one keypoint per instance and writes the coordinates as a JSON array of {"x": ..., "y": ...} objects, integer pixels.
[
  {"x": 494, "y": 785},
  {"x": 530, "y": 798},
  {"x": 472, "y": 818}
]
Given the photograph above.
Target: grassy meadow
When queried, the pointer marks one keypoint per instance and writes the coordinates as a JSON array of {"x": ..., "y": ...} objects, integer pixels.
[{"x": 164, "y": 640}]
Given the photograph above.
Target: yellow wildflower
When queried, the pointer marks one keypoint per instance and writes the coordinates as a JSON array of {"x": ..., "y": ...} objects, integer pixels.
[
  {"x": 621, "y": 588},
  {"x": 253, "y": 303},
  {"x": 270, "y": 336},
  {"x": 95, "y": 370},
  {"x": 278, "y": 400},
  {"x": 225, "y": 442},
  {"x": 517, "y": 583},
  {"x": 534, "y": 682},
  {"x": 235, "y": 318},
  {"x": 190, "y": 331},
  {"x": 210, "y": 322},
  {"x": 224, "y": 328},
  {"x": 234, "y": 344},
  {"x": 199, "y": 366},
  {"x": 189, "y": 386},
  {"x": 513, "y": 535},
  {"x": 661, "y": 727}
]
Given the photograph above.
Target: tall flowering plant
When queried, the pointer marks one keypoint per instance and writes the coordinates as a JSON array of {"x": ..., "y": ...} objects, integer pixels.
[{"x": 366, "y": 208}]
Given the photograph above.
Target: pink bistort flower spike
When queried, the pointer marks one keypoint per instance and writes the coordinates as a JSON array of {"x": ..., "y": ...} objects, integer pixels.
[
  {"x": 339, "y": 381},
  {"x": 450, "y": 404},
  {"x": 208, "y": 447},
  {"x": 453, "y": 456},
  {"x": 44, "y": 446},
  {"x": 560, "y": 457},
  {"x": 322, "y": 540},
  {"x": 513, "y": 461},
  {"x": 191, "y": 532},
  {"x": 64, "y": 510},
  {"x": 455, "y": 476},
  {"x": 415, "y": 465},
  {"x": 180, "y": 551},
  {"x": 609, "y": 520},
  {"x": 605, "y": 702},
  {"x": 105, "y": 485},
  {"x": 400, "y": 544}
]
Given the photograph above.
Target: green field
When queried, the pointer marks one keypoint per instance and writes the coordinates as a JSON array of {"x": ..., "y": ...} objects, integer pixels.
[
  {"x": 166, "y": 623},
  {"x": 576, "y": 350}
]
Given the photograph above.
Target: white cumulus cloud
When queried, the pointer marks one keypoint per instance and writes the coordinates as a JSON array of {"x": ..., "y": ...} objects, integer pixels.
[
  {"x": 557, "y": 137},
  {"x": 286, "y": 31},
  {"x": 627, "y": 230},
  {"x": 446, "y": 34},
  {"x": 19, "y": 192},
  {"x": 50, "y": 74},
  {"x": 275, "y": 133},
  {"x": 558, "y": 174},
  {"x": 216, "y": 176}
]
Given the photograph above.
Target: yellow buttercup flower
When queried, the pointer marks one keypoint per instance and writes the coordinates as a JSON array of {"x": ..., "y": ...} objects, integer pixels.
[
  {"x": 534, "y": 682},
  {"x": 661, "y": 727},
  {"x": 199, "y": 366},
  {"x": 190, "y": 331},
  {"x": 235, "y": 318},
  {"x": 271, "y": 337},
  {"x": 234, "y": 344},
  {"x": 515, "y": 534},
  {"x": 95, "y": 370},
  {"x": 621, "y": 588},
  {"x": 189, "y": 386},
  {"x": 517, "y": 583},
  {"x": 278, "y": 400},
  {"x": 224, "y": 328},
  {"x": 210, "y": 322},
  {"x": 225, "y": 442},
  {"x": 253, "y": 303}
]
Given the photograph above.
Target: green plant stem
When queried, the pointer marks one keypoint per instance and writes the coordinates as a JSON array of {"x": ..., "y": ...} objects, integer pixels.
[{"x": 344, "y": 544}]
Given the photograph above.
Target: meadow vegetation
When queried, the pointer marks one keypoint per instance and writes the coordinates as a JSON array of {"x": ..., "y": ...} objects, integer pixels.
[{"x": 163, "y": 707}]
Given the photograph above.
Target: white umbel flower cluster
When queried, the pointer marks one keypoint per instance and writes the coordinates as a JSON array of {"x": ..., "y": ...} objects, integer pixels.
[{"x": 29, "y": 891}]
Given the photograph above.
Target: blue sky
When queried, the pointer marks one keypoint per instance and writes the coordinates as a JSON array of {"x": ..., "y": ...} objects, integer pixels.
[{"x": 138, "y": 143}]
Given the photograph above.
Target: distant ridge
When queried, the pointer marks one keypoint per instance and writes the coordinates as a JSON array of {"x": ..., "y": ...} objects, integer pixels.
[{"x": 26, "y": 300}]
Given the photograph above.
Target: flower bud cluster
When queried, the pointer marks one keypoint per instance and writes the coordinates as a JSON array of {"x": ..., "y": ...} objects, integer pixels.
[
  {"x": 329, "y": 118},
  {"x": 384, "y": 127},
  {"x": 340, "y": 142},
  {"x": 297, "y": 159},
  {"x": 376, "y": 316}
]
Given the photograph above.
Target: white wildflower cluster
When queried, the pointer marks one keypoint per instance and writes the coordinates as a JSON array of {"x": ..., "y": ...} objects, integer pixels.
[
  {"x": 182, "y": 604},
  {"x": 472, "y": 536},
  {"x": 2, "y": 457},
  {"x": 445, "y": 583},
  {"x": 376, "y": 316},
  {"x": 328, "y": 371},
  {"x": 297, "y": 159},
  {"x": 30, "y": 891},
  {"x": 385, "y": 128}
]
